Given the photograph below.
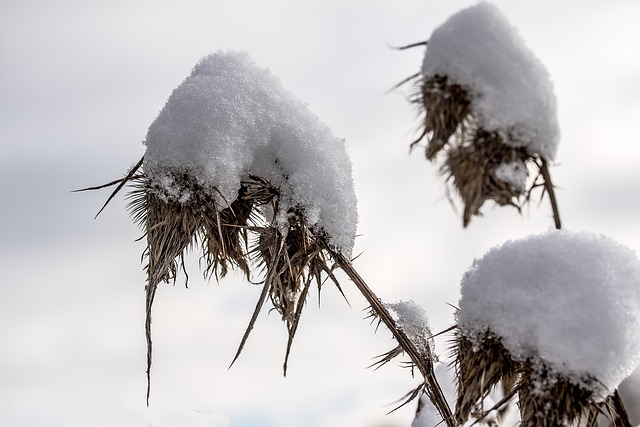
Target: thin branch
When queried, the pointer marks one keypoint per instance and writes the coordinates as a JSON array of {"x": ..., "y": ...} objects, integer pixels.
[
  {"x": 252, "y": 322},
  {"x": 409, "y": 46},
  {"x": 424, "y": 363},
  {"x": 622, "y": 417},
  {"x": 151, "y": 293},
  {"x": 121, "y": 184},
  {"x": 404, "y": 81},
  {"x": 548, "y": 185}
]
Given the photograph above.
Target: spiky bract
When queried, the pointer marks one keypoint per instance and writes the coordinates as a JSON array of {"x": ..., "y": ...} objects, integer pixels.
[
  {"x": 249, "y": 230},
  {"x": 545, "y": 397},
  {"x": 471, "y": 154}
]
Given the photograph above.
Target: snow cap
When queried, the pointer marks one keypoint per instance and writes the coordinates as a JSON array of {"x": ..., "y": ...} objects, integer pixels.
[
  {"x": 511, "y": 91},
  {"x": 230, "y": 119}
]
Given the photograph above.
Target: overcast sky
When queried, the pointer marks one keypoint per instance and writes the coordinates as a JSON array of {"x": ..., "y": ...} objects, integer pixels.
[{"x": 80, "y": 83}]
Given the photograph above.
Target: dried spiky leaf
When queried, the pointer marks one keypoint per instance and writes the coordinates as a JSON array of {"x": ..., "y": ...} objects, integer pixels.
[
  {"x": 479, "y": 165},
  {"x": 548, "y": 400},
  {"x": 446, "y": 106},
  {"x": 292, "y": 259},
  {"x": 472, "y": 169},
  {"x": 480, "y": 365},
  {"x": 174, "y": 222}
]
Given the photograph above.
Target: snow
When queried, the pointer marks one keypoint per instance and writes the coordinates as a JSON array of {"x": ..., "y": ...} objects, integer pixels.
[
  {"x": 511, "y": 90},
  {"x": 231, "y": 118},
  {"x": 412, "y": 320},
  {"x": 570, "y": 300},
  {"x": 514, "y": 173}
]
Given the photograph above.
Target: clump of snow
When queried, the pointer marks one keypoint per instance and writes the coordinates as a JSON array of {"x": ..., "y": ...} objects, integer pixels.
[
  {"x": 412, "y": 320},
  {"x": 514, "y": 173},
  {"x": 570, "y": 300},
  {"x": 230, "y": 119},
  {"x": 510, "y": 88}
]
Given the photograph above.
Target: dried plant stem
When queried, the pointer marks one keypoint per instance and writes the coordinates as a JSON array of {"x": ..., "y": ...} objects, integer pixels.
[
  {"x": 151, "y": 293},
  {"x": 548, "y": 185},
  {"x": 424, "y": 364},
  {"x": 622, "y": 417}
]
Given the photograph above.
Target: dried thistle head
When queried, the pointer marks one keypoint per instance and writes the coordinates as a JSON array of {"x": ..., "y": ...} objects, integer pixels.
[
  {"x": 478, "y": 164},
  {"x": 176, "y": 212},
  {"x": 480, "y": 365},
  {"x": 482, "y": 168},
  {"x": 478, "y": 77},
  {"x": 547, "y": 399},
  {"x": 447, "y": 106},
  {"x": 175, "y": 220}
]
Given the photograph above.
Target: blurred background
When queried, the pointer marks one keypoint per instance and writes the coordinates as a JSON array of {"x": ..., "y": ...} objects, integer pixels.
[{"x": 81, "y": 81}]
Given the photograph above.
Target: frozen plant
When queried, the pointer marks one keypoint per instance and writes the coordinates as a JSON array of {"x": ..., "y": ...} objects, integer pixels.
[
  {"x": 488, "y": 109},
  {"x": 559, "y": 312},
  {"x": 236, "y": 166}
]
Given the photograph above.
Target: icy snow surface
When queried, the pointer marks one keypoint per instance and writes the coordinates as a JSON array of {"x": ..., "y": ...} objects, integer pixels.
[
  {"x": 514, "y": 173},
  {"x": 231, "y": 118},
  {"x": 412, "y": 320},
  {"x": 569, "y": 299},
  {"x": 511, "y": 90}
]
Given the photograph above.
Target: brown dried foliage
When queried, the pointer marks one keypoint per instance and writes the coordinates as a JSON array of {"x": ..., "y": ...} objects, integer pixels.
[
  {"x": 478, "y": 371},
  {"x": 447, "y": 106},
  {"x": 243, "y": 233},
  {"x": 545, "y": 398},
  {"x": 470, "y": 153},
  {"x": 471, "y": 168},
  {"x": 292, "y": 258}
]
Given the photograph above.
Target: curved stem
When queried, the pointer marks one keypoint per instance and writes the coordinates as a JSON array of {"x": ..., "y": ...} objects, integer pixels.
[
  {"x": 548, "y": 185},
  {"x": 151, "y": 293},
  {"x": 622, "y": 417},
  {"x": 422, "y": 362}
]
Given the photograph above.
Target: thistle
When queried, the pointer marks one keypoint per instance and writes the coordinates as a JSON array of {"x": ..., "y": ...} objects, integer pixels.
[
  {"x": 530, "y": 313},
  {"x": 488, "y": 111},
  {"x": 240, "y": 170}
]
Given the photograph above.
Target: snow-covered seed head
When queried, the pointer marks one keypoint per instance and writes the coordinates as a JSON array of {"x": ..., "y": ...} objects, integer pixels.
[
  {"x": 561, "y": 312},
  {"x": 488, "y": 108},
  {"x": 479, "y": 165},
  {"x": 238, "y": 166}
]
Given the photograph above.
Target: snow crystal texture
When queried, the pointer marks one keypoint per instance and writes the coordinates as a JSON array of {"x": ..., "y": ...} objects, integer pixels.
[
  {"x": 231, "y": 118},
  {"x": 568, "y": 299},
  {"x": 514, "y": 173},
  {"x": 412, "y": 319},
  {"x": 511, "y": 90}
]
